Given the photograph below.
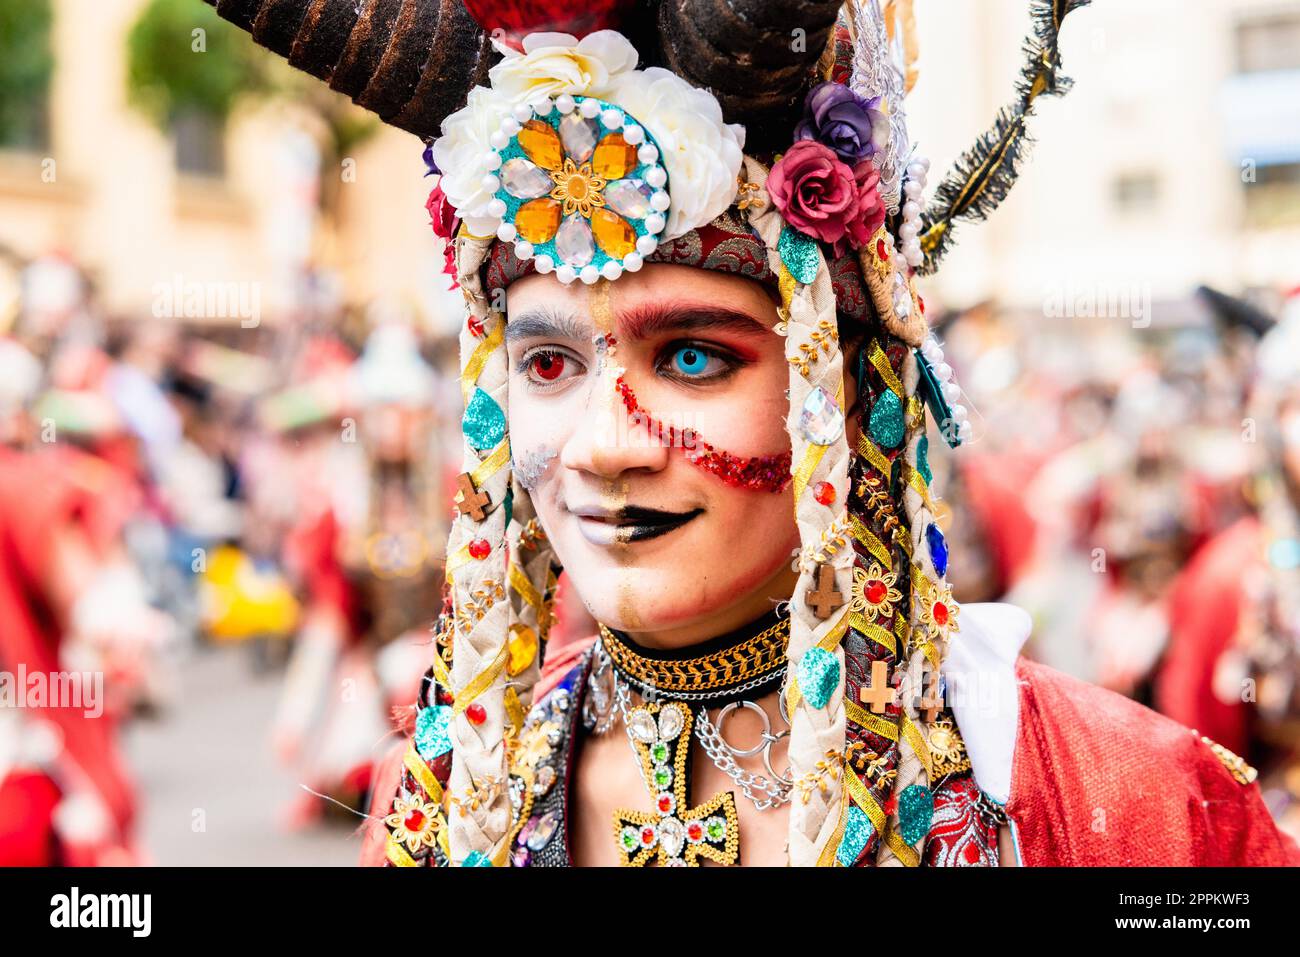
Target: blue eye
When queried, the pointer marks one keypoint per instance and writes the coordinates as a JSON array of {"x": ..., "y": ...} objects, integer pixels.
[{"x": 691, "y": 361}]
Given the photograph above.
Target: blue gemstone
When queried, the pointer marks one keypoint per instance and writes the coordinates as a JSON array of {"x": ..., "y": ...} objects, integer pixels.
[
  {"x": 484, "y": 424},
  {"x": 915, "y": 810},
  {"x": 938, "y": 549},
  {"x": 819, "y": 676},
  {"x": 799, "y": 253},
  {"x": 857, "y": 832},
  {"x": 431, "y": 738},
  {"x": 476, "y": 859},
  {"x": 887, "y": 424}
]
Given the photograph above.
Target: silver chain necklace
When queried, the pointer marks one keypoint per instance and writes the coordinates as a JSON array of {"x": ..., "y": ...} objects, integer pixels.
[{"x": 613, "y": 696}]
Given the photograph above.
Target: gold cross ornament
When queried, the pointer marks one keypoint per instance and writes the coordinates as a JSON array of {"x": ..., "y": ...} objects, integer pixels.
[{"x": 674, "y": 834}]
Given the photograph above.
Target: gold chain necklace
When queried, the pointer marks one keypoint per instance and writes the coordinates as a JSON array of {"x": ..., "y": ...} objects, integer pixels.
[{"x": 757, "y": 657}]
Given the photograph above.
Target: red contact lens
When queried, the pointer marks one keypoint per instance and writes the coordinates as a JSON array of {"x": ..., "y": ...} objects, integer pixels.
[{"x": 548, "y": 365}]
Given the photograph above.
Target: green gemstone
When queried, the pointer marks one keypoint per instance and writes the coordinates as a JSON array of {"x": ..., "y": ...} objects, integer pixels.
[
  {"x": 716, "y": 828},
  {"x": 663, "y": 777},
  {"x": 629, "y": 839},
  {"x": 659, "y": 754}
]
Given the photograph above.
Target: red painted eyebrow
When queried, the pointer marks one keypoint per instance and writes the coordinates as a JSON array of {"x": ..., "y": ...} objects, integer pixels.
[{"x": 647, "y": 320}]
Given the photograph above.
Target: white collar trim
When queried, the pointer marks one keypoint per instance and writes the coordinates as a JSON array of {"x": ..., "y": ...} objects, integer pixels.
[{"x": 980, "y": 673}]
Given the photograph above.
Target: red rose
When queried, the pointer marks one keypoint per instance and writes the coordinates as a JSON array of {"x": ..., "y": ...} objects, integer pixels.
[
  {"x": 871, "y": 209},
  {"x": 814, "y": 191},
  {"x": 442, "y": 217}
]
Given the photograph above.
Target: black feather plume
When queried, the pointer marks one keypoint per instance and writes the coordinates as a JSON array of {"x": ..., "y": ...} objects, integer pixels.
[{"x": 980, "y": 179}]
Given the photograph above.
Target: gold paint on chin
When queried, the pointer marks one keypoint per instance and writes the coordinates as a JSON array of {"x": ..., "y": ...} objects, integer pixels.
[{"x": 627, "y": 606}]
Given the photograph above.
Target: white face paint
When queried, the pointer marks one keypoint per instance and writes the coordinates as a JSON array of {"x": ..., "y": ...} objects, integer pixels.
[{"x": 652, "y": 543}]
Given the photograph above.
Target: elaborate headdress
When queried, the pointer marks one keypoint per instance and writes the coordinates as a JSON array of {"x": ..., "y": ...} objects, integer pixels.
[{"x": 766, "y": 139}]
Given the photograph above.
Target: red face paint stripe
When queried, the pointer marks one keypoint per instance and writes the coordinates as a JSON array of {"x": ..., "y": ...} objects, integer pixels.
[{"x": 759, "y": 473}]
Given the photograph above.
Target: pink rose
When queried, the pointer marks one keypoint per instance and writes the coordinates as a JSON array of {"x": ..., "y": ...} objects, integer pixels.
[
  {"x": 871, "y": 209},
  {"x": 814, "y": 191}
]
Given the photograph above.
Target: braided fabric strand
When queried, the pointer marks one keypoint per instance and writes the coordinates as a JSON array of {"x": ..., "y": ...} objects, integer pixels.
[
  {"x": 479, "y": 815},
  {"x": 809, "y": 309}
]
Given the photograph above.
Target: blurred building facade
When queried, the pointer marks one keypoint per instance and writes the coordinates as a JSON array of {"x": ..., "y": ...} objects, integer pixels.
[
  {"x": 137, "y": 207},
  {"x": 1174, "y": 161}
]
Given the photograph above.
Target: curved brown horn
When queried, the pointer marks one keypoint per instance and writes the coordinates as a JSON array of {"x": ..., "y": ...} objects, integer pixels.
[
  {"x": 410, "y": 61},
  {"x": 749, "y": 54}
]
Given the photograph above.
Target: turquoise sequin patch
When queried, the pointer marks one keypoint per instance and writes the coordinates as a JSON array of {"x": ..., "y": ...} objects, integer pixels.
[
  {"x": 923, "y": 459},
  {"x": 887, "y": 421},
  {"x": 484, "y": 424},
  {"x": 431, "y": 738},
  {"x": 799, "y": 253},
  {"x": 857, "y": 832},
  {"x": 915, "y": 809},
  {"x": 819, "y": 676},
  {"x": 476, "y": 859}
]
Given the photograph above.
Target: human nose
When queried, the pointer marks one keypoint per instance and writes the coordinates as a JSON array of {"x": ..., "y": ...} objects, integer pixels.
[{"x": 607, "y": 442}]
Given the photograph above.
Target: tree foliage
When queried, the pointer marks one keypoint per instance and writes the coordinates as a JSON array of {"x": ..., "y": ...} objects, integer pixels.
[
  {"x": 26, "y": 65},
  {"x": 183, "y": 58}
]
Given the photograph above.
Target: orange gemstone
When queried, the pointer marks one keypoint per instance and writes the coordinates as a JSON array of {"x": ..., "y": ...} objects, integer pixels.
[
  {"x": 541, "y": 144},
  {"x": 824, "y": 492},
  {"x": 577, "y": 186},
  {"x": 877, "y": 591},
  {"x": 614, "y": 233},
  {"x": 538, "y": 219},
  {"x": 614, "y": 158}
]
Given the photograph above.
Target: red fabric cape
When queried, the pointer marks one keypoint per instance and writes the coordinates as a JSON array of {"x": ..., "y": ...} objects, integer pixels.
[{"x": 1099, "y": 780}]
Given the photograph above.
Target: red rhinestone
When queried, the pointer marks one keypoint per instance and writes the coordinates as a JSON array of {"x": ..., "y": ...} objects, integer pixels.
[
  {"x": 881, "y": 252},
  {"x": 475, "y": 326},
  {"x": 824, "y": 493},
  {"x": 647, "y": 836},
  {"x": 695, "y": 831},
  {"x": 921, "y": 302},
  {"x": 476, "y": 713},
  {"x": 479, "y": 548},
  {"x": 876, "y": 591},
  {"x": 665, "y": 803},
  {"x": 414, "y": 820},
  {"x": 940, "y": 613},
  {"x": 445, "y": 696}
]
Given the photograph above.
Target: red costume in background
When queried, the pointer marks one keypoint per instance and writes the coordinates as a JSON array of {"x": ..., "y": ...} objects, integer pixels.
[
  {"x": 1205, "y": 608},
  {"x": 39, "y": 495}
]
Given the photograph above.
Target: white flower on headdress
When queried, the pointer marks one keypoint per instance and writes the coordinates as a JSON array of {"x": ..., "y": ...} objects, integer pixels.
[
  {"x": 461, "y": 153},
  {"x": 555, "y": 63},
  {"x": 701, "y": 153}
]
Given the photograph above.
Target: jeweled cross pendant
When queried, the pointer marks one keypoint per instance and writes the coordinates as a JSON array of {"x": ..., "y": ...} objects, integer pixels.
[{"x": 674, "y": 834}]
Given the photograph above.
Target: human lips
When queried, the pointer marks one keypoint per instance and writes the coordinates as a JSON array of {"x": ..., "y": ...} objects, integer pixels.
[{"x": 632, "y": 523}]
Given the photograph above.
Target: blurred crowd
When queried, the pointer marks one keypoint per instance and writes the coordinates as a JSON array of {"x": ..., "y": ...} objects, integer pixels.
[{"x": 168, "y": 485}]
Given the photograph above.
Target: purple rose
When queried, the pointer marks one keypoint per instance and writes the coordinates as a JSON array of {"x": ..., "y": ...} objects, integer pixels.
[
  {"x": 837, "y": 117},
  {"x": 429, "y": 164}
]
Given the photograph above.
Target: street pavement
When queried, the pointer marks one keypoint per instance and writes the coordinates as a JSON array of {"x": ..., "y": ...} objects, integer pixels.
[{"x": 212, "y": 793}]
